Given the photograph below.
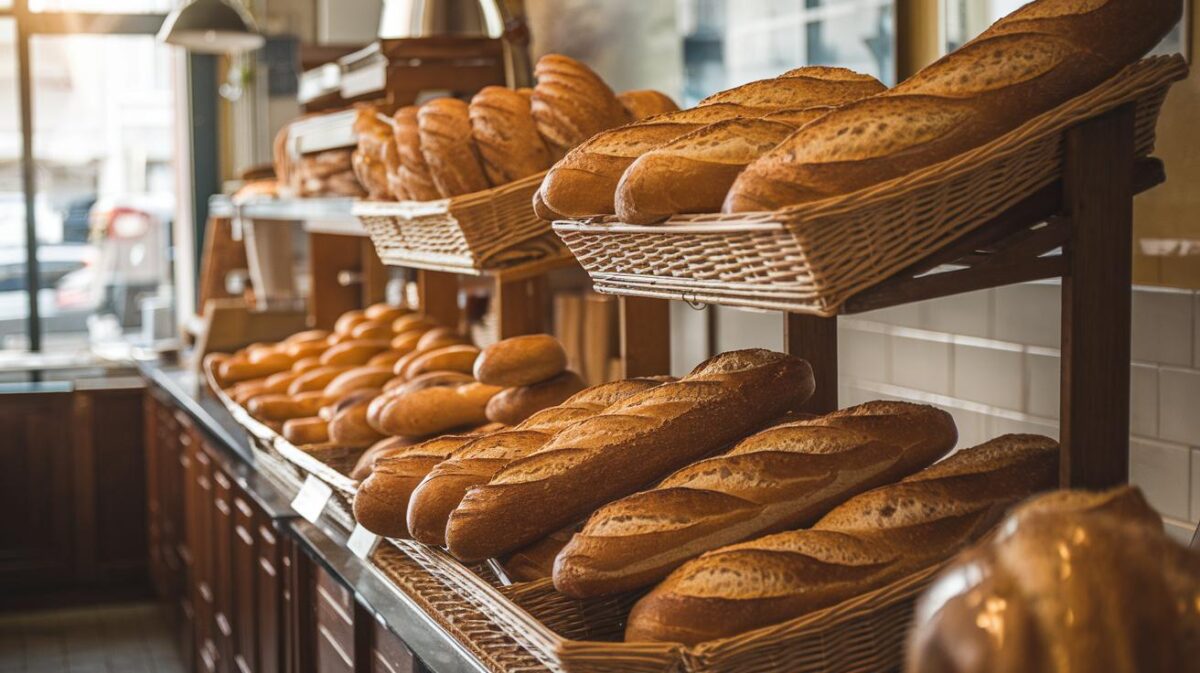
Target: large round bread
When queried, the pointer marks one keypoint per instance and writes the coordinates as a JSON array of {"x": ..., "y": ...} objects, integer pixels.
[
  {"x": 513, "y": 405},
  {"x": 521, "y": 361}
]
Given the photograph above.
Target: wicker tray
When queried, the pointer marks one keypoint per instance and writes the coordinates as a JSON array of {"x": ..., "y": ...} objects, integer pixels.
[
  {"x": 491, "y": 229},
  {"x": 866, "y": 633},
  {"x": 811, "y": 258},
  {"x": 290, "y": 465}
]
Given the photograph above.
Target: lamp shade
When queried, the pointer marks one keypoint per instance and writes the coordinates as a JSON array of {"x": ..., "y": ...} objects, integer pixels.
[{"x": 211, "y": 27}]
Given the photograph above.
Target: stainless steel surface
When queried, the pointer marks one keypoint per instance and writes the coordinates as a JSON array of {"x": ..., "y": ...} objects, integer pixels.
[{"x": 432, "y": 18}]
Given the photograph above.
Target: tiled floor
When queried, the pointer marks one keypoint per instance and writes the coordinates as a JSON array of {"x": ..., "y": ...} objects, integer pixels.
[{"x": 128, "y": 638}]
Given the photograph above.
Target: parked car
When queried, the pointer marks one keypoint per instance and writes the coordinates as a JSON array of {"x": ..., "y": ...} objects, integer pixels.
[{"x": 76, "y": 224}]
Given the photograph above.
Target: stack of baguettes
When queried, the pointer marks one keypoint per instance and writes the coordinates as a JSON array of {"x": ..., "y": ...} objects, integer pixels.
[
  {"x": 814, "y": 133},
  {"x": 448, "y": 147}
]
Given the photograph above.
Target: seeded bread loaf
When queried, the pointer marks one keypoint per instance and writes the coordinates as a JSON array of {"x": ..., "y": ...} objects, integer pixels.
[
  {"x": 1036, "y": 58},
  {"x": 503, "y": 128},
  {"x": 414, "y": 172},
  {"x": 871, "y": 540},
  {"x": 628, "y": 446},
  {"x": 642, "y": 103},
  {"x": 571, "y": 103},
  {"x": 476, "y": 462},
  {"x": 783, "y": 477},
  {"x": 449, "y": 149}
]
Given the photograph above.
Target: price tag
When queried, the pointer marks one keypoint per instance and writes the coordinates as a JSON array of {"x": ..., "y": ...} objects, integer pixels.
[
  {"x": 312, "y": 498},
  {"x": 362, "y": 542}
]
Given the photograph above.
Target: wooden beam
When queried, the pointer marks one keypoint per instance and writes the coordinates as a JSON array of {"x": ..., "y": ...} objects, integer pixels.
[
  {"x": 438, "y": 293},
  {"x": 1098, "y": 190},
  {"x": 374, "y": 274},
  {"x": 815, "y": 340},
  {"x": 918, "y": 35},
  {"x": 329, "y": 255},
  {"x": 645, "y": 326},
  {"x": 520, "y": 306}
]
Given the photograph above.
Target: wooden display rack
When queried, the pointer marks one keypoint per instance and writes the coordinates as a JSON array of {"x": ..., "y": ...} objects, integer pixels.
[{"x": 1088, "y": 214}]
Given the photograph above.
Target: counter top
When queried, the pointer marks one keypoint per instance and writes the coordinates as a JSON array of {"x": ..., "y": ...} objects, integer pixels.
[{"x": 324, "y": 541}]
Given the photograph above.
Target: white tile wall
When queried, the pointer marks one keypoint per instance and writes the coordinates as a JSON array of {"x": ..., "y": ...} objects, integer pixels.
[
  {"x": 1143, "y": 400},
  {"x": 1029, "y": 314},
  {"x": 1163, "y": 471},
  {"x": 1043, "y": 374},
  {"x": 1195, "y": 509},
  {"x": 968, "y": 314},
  {"x": 1179, "y": 405},
  {"x": 990, "y": 376},
  {"x": 1162, "y": 327},
  {"x": 922, "y": 364}
]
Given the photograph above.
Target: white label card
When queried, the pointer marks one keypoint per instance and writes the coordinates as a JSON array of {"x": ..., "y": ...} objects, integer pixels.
[
  {"x": 362, "y": 542},
  {"x": 312, "y": 498}
]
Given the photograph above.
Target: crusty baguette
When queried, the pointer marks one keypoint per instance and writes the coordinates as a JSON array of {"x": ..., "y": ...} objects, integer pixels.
[
  {"x": 513, "y": 405},
  {"x": 348, "y": 424},
  {"x": 354, "y": 352},
  {"x": 449, "y": 149},
  {"x": 571, "y": 103},
  {"x": 807, "y": 86},
  {"x": 432, "y": 409},
  {"x": 282, "y": 407},
  {"x": 381, "y": 502},
  {"x": 536, "y": 561},
  {"x": 348, "y": 320},
  {"x": 783, "y": 477},
  {"x": 583, "y": 182},
  {"x": 453, "y": 358},
  {"x": 389, "y": 446},
  {"x": 642, "y": 103},
  {"x": 316, "y": 378},
  {"x": 414, "y": 172},
  {"x": 869, "y": 541},
  {"x": 506, "y": 135},
  {"x": 628, "y": 446},
  {"x": 521, "y": 361},
  {"x": 476, "y": 462},
  {"x": 1039, "y": 57},
  {"x": 357, "y": 379},
  {"x": 311, "y": 430}
]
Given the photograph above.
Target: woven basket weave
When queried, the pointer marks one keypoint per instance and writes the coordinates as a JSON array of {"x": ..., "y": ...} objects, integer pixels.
[
  {"x": 812, "y": 257},
  {"x": 490, "y": 229}
]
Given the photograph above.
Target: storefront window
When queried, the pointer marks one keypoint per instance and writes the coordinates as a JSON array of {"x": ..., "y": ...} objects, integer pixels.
[
  {"x": 729, "y": 42},
  {"x": 14, "y": 299}
]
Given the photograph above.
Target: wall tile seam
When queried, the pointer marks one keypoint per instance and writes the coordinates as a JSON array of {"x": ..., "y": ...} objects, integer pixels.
[
  {"x": 1164, "y": 443},
  {"x": 949, "y": 401}
]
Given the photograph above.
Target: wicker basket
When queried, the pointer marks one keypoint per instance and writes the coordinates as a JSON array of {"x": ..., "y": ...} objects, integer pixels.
[
  {"x": 811, "y": 258},
  {"x": 492, "y": 229}
]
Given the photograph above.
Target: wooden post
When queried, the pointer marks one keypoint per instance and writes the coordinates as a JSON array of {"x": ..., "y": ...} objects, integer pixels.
[
  {"x": 439, "y": 296},
  {"x": 520, "y": 305},
  {"x": 1098, "y": 199},
  {"x": 374, "y": 274},
  {"x": 645, "y": 326},
  {"x": 328, "y": 256},
  {"x": 815, "y": 340}
]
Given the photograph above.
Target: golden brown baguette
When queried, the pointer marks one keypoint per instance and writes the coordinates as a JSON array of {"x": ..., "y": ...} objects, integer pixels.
[
  {"x": 454, "y": 358},
  {"x": 536, "y": 561},
  {"x": 803, "y": 87},
  {"x": 1029, "y": 62},
  {"x": 583, "y": 182},
  {"x": 348, "y": 422},
  {"x": 357, "y": 379},
  {"x": 238, "y": 369},
  {"x": 385, "y": 312},
  {"x": 282, "y": 407},
  {"x": 521, "y": 361},
  {"x": 571, "y": 103},
  {"x": 513, "y": 405},
  {"x": 1086, "y": 578},
  {"x": 449, "y": 149},
  {"x": 311, "y": 430},
  {"x": 381, "y": 502},
  {"x": 783, "y": 477},
  {"x": 503, "y": 128},
  {"x": 642, "y": 103},
  {"x": 631, "y": 444},
  {"x": 414, "y": 172},
  {"x": 432, "y": 409},
  {"x": 316, "y": 378},
  {"x": 389, "y": 446},
  {"x": 871, "y": 540},
  {"x": 476, "y": 462},
  {"x": 354, "y": 352}
]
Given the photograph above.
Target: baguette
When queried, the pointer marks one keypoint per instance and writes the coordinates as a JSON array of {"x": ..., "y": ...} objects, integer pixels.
[
  {"x": 476, "y": 462},
  {"x": 389, "y": 446},
  {"x": 803, "y": 87},
  {"x": 438, "y": 337},
  {"x": 868, "y": 542},
  {"x": 316, "y": 378},
  {"x": 236, "y": 369},
  {"x": 307, "y": 335},
  {"x": 385, "y": 312},
  {"x": 536, "y": 561},
  {"x": 305, "y": 365},
  {"x": 348, "y": 320},
  {"x": 583, "y": 182},
  {"x": 513, "y": 405},
  {"x": 642, "y": 103},
  {"x": 630, "y": 445},
  {"x": 433, "y": 409},
  {"x": 456, "y": 358},
  {"x": 301, "y": 431},
  {"x": 1033, "y": 60},
  {"x": 357, "y": 379},
  {"x": 354, "y": 352},
  {"x": 304, "y": 349},
  {"x": 521, "y": 361},
  {"x": 282, "y": 407},
  {"x": 385, "y": 359},
  {"x": 571, "y": 103},
  {"x": 414, "y": 172},
  {"x": 506, "y": 135},
  {"x": 450, "y": 151},
  {"x": 781, "y": 478},
  {"x": 348, "y": 424},
  {"x": 372, "y": 329}
]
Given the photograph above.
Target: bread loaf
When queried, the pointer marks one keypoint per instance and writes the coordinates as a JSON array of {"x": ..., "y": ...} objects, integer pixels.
[
  {"x": 316, "y": 378},
  {"x": 389, "y": 446},
  {"x": 513, "y": 405},
  {"x": 583, "y": 182},
  {"x": 414, "y": 172},
  {"x": 433, "y": 409},
  {"x": 437, "y": 337},
  {"x": 348, "y": 426},
  {"x": 449, "y": 149},
  {"x": 381, "y": 502},
  {"x": 348, "y": 320},
  {"x": 1029, "y": 62},
  {"x": 1083, "y": 582},
  {"x": 642, "y": 103},
  {"x": 236, "y": 369},
  {"x": 503, "y": 128},
  {"x": 628, "y": 446},
  {"x": 571, "y": 103},
  {"x": 803, "y": 87},
  {"x": 304, "y": 349},
  {"x": 357, "y": 379},
  {"x": 305, "y": 365},
  {"x": 476, "y": 462},
  {"x": 871, "y": 540},
  {"x": 372, "y": 329},
  {"x": 456, "y": 358},
  {"x": 783, "y": 477},
  {"x": 385, "y": 312},
  {"x": 307, "y": 336},
  {"x": 301, "y": 431},
  {"x": 283, "y": 407},
  {"x": 385, "y": 359},
  {"x": 521, "y": 361},
  {"x": 354, "y": 352},
  {"x": 536, "y": 561}
]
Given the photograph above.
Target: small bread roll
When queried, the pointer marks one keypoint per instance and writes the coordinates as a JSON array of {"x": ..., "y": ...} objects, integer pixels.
[
  {"x": 301, "y": 431},
  {"x": 456, "y": 358},
  {"x": 316, "y": 379},
  {"x": 357, "y": 379},
  {"x": 348, "y": 320},
  {"x": 507, "y": 138},
  {"x": 521, "y": 361},
  {"x": 444, "y": 125},
  {"x": 282, "y": 407},
  {"x": 435, "y": 409},
  {"x": 440, "y": 336},
  {"x": 372, "y": 329},
  {"x": 354, "y": 352},
  {"x": 642, "y": 103},
  {"x": 349, "y": 427},
  {"x": 513, "y": 405},
  {"x": 385, "y": 312},
  {"x": 304, "y": 365}
]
